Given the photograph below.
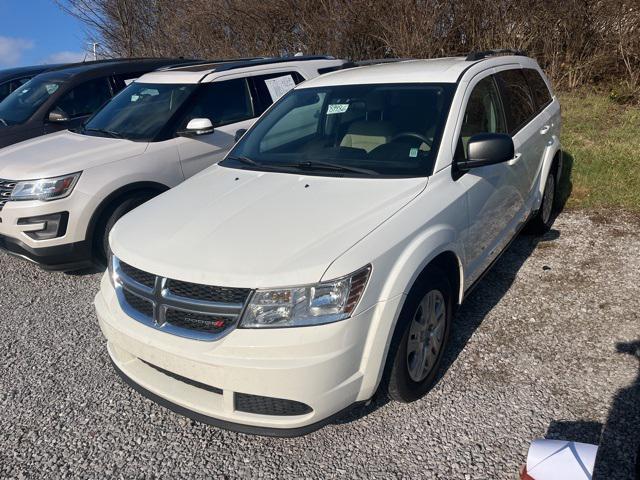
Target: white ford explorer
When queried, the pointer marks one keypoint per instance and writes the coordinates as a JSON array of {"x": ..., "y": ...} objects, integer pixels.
[
  {"x": 61, "y": 193},
  {"x": 324, "y": 258}
]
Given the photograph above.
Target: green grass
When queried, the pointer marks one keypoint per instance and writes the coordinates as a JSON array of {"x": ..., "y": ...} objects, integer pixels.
[{"x": 601, "y": 140}]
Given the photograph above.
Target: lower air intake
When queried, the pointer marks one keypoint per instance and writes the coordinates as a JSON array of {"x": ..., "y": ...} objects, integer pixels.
[{"x": 269, "y": 406}]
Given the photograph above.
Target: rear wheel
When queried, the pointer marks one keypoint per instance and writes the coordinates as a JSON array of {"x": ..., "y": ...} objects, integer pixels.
[
  {"x": 543, "y": 219},
  {"x": 420, "y": 339},
  {"x": 101, "y": 234}
]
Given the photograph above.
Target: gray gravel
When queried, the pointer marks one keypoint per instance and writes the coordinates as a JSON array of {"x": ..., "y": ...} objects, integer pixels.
[{"x": 541, "y": 348}]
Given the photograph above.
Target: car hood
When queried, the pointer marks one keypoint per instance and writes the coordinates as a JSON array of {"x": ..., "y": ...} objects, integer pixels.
[
  {"x": 242, "y": 228},
  {"x": 61, "y": 153}
]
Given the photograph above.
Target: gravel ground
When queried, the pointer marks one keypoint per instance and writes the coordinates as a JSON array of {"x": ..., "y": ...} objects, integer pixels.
[{"x": 543, "y": 347}]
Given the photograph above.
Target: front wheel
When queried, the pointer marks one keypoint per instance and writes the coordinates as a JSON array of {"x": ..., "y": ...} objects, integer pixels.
[
  {"x": 420, "y": 339},
  {"x": 101, "y": 234}
]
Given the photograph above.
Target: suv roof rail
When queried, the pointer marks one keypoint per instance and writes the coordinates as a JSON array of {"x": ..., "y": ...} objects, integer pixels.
[
  {"x": 473, "y": 56},
  {"x": 212, "y": 62},
  {"x": 376, "y": 61},
  {"x": 105, "y": 61},
  {"x": 232, "y": 65}
]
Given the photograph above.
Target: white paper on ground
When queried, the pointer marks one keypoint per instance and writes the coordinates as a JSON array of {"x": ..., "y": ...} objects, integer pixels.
[
  {"x": 278, "y": 86},
  {"x": 561, "y": 460}
]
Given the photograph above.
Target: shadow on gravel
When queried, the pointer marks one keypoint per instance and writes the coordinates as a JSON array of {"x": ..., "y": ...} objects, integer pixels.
[
  {"x": 618, "y": 439},
  {"x": 565, "y": 186}
]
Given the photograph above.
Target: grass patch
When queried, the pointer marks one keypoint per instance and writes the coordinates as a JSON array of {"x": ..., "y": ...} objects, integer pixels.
[{"x": 602, "y": 138}]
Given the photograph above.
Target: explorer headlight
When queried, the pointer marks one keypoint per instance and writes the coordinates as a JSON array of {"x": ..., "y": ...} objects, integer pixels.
[
  {"x": 45, "y": 188},
  {"x": 323, "y": 302}
]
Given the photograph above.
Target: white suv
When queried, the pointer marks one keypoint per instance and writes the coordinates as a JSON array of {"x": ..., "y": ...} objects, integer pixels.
[
  {"x": 325, "y": 257},
  {"x": 61, "y": 193}
]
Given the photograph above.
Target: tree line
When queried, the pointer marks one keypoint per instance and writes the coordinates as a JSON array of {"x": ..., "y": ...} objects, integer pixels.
[{"x": 577, "y": 42}]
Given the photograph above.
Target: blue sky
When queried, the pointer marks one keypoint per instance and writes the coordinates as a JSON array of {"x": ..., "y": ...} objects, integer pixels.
[{"x": 38, "y": 31}]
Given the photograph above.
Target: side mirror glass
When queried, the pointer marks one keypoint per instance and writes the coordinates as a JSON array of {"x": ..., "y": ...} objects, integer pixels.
[
  {"x": 57, "y": 115},
  {"x": 197, "y": 126},
  {"x": 239, "y": 134},
  {"x": 487, "y": 149}
]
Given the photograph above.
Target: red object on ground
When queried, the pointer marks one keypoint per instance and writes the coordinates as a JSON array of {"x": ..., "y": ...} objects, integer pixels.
[{"x": 524, "y": 475}]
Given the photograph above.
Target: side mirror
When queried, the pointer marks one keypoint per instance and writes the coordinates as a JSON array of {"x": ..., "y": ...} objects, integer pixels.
[
  {"x": 487, "y": 149},
  {"x": 239, "y": 134},
  {"x": 57, "y": 115},
  {"x": 197, "y": 126}
]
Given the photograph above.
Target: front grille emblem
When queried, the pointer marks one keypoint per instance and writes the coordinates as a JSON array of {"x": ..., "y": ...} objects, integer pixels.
[{"x": 193, "y": 311}]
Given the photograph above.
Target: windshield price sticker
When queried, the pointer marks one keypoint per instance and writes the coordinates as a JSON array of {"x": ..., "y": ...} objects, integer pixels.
[
  {"x": 279, "y": 86},
  {"x": 337, "y": 108}
]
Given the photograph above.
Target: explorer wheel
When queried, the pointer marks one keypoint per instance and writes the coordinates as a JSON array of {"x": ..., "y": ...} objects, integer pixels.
[
  {"x": 543, "y": 219},
  {"x": 101, "y": 234},
  {"x": 420, "y": 339}
]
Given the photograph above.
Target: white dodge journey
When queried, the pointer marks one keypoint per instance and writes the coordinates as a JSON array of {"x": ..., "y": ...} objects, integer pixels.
[{"x": 324, "y": 258}]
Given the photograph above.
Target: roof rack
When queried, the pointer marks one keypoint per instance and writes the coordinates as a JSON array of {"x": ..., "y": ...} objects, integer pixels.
[
  {"x": 232, "y": 65},
  {"x": 473, "y": 56},
  {"x": 213, "y": 63},
  {"x": 376, "y": 61}
]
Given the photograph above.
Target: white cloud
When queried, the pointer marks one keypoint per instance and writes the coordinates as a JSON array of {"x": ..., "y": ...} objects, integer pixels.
[
  {"x": 11, "y": 50},
  {"x": 67, "y": 56}
]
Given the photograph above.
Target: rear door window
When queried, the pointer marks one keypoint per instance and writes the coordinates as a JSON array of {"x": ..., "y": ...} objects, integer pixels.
[
  {"x": 223, "y": 103},
  {"x": 269, "y": 88},
  {"x": 85, "y": 98},
  {"x": 539, "y": 89},
  {"x": 516, "y": 97}
]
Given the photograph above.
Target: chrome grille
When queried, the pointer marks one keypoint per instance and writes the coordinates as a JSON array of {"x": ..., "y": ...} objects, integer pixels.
[
  {"x": 6, "y": 187},
  {"x": 190, "y": 310}
]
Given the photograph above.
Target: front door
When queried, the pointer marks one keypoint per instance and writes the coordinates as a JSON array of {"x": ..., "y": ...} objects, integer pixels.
[
  {"x": 492, "y": 198},
  {"x": 229, "y": 107}
]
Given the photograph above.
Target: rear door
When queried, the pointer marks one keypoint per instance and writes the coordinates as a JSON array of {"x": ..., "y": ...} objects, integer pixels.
[
  {"x": 231, "y": 105},
  {"x": 526, "y": 126},
  {"x": 547, "y": 119}
]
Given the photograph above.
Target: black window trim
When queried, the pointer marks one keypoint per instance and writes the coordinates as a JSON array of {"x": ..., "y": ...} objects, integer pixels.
[
  {"x": 261, "y": 104},
  {"x": 550, "y": 101},
  {"x": 535, "y": 111},
  {"x": 171, "y": 128},
  {"x": 492, "y": 76},
  {"x": 106, "y": 78}
]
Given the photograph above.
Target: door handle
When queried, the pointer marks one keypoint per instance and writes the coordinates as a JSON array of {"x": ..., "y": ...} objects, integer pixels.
[
  {"x": 515, "y": 159},
  {"x": 544, "y": 130}
]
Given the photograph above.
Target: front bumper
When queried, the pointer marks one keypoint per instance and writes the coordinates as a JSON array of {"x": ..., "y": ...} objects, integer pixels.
[
  {"x": 67, "y": 257},
  {"x": 319, "y": 367},
  {"x": 69, "y": 251}
]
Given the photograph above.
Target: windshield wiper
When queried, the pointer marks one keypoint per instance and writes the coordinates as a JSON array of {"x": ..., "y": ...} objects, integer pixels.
[
  {"x": 110, "y": 133},
  {"x": 245, "y": 160},
  {"x": 333, "y": 166},
  {"x": 4, "y": 122}
]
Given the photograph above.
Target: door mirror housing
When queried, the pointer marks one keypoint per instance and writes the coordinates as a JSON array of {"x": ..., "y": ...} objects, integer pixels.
[
  {"x": 239, "y": 134},
  {"x": 487, "y": 149},
  {"x": 197, "y": 126},
  {"x": 57, "y": 115}
]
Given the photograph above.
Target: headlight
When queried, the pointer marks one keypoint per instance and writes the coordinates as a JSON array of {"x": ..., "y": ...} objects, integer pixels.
[
  {"x": 323, "y": 302},
  {"x": 45, "y": 188}
]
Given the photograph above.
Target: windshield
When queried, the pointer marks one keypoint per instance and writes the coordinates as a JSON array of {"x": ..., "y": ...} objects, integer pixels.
[
  {"x": 139, "y": 112},
  {"x": 24, "y": 101},
  {"x": 350, "y": 130}
]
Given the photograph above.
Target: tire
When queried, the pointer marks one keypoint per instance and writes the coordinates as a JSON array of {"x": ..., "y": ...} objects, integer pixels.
[
  {"x": 101, "y": 234},
  {"x": 543, "y": 219},
  {"x": 403, "y": 379}
]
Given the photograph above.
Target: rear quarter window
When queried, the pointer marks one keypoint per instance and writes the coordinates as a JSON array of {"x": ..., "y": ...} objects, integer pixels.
[
  {"x": 265, "y": 92},
  {"x": 539, "y": 89},
  {"x": 517, "y": 100}
]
